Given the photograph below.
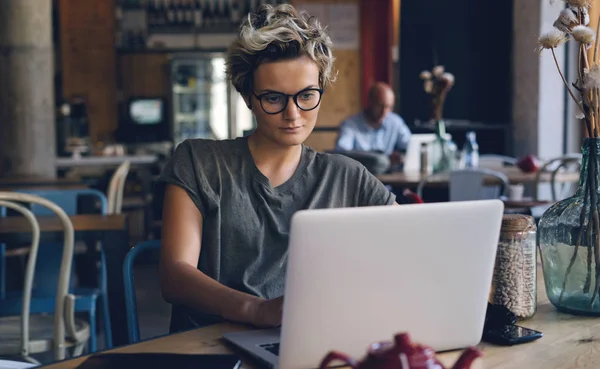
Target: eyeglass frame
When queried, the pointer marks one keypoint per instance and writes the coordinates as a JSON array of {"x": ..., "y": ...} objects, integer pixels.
[{"x": 287, "y": 99}]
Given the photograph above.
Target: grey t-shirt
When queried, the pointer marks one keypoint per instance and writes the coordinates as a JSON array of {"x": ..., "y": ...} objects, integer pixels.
[{"x": 246, "y": 222}]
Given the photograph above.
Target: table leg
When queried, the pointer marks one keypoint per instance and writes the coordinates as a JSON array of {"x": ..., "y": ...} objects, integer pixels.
[
  {"x": 86, "y": 264},
  {"x": 116, "y": 246}
]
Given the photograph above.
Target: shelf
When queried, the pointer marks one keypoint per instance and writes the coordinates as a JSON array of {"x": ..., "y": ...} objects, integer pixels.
[
  {"x": 186, "y": 90},
  {"x": 189, "y": 117},
  {"x": 191, "y": 30},
  {"x": 155, "y": 50},
  {"x": 202, "y": 88},
  {"x": 131, "y": 7}
]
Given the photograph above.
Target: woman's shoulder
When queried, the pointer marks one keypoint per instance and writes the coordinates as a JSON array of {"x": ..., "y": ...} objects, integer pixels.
[
  {"x": 209, "y": 146},
  {"x": 200, "y": 150},
  {"x": 204, "y": 155}
]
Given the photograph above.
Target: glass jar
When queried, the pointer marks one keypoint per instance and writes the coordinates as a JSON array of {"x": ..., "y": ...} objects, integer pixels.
[{"x": 514, "y": 284}]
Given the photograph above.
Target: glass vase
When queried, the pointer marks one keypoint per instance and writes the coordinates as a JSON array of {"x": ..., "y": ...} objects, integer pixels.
[
  {"x": 443, "y": 150},
  {"x": 569, "y": 242}
]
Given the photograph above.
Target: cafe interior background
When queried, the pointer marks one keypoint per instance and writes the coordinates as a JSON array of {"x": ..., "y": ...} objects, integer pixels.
[{"x": 86, "y": 85}]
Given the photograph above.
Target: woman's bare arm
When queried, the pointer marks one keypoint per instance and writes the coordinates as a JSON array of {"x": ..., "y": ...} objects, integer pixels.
[{"x": 182, "y": 283}]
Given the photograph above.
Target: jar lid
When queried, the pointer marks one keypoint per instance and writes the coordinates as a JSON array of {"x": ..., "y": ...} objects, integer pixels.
[{"x": 518, "y": 223}]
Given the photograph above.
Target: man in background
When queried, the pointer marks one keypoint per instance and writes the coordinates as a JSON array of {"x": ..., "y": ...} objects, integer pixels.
[{"x": 376, "y": 136}]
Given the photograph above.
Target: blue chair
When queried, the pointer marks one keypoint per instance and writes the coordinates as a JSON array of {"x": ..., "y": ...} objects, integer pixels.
[
  {"x": 133, "y": 326},
  {"x": 2, "y": 272},
  {"x": 86, "y": 299}
]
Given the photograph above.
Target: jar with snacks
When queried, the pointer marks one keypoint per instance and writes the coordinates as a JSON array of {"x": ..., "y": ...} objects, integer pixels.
[{"x": 514, "y": 284}]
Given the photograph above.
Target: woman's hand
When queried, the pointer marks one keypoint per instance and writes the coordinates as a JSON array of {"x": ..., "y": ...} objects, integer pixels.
[{"x": 267, "y": 313}]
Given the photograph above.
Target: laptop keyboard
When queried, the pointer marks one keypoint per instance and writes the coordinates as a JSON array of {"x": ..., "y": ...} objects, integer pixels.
[{"x": 272, "y": 348}]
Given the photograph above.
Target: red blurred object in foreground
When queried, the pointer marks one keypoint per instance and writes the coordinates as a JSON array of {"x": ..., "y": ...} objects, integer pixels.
[
  {"x": 412, "y": 197},
  {"x": 401, "y": 354}
]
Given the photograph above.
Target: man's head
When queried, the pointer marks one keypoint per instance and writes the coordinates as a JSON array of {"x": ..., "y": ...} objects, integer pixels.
[{"x": 380, "y": 103}]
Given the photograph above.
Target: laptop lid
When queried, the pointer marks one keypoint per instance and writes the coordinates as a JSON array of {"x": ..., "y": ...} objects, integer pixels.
[{"x": 360, "y": 275}]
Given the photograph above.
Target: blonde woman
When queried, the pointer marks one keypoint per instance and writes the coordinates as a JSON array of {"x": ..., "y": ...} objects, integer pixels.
[{"x": 228, "y": 204}]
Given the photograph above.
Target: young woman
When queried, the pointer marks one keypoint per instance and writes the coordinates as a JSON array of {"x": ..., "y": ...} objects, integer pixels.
[{"x": 228, "y": 204}]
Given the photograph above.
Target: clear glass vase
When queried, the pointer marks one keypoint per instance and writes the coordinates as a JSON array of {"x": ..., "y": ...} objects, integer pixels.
[
  {"x": 569, "y": 242},
  {"x": 443, "y": 151}
]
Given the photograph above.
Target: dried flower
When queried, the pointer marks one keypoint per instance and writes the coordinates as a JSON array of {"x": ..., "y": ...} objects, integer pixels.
[
  {"x": 586, "y": 15},
  {"x": 448, "y": 78},
  {"x": 552, "y": 39},
  {"x": 580, "y": 3},
  {"x": 436, "y": 84},
  {"x": 591, "y": 77},
  {"x": 584, "y": 35},
  {"x": 566, "y": 20},
  {"x": 428, "y": 86}
]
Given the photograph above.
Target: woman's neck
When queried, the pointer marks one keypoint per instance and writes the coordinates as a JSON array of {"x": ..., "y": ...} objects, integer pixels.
[{"x": 276, "y": 162}]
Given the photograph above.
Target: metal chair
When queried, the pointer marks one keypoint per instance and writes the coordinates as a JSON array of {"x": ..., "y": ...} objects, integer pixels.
[
  {"x": 571, "y": 162},
  {"x": 133, "y": 327},
  {"x": 469, "y": 184},
  {"x": 86, "y": 298},
  {"x": 116, "y": 187},
  {"x": 17, "y": 341}
]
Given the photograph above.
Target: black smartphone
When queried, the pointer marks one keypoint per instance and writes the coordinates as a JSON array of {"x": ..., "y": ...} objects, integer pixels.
[{"x": 511, "y": 334}]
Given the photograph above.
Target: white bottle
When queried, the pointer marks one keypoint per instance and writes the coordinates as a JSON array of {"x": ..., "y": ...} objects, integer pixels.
[{"x": 470, "y": 151}]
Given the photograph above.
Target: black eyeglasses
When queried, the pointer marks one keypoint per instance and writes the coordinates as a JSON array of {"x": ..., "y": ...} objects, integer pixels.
[{"x": 276, "y": 102}]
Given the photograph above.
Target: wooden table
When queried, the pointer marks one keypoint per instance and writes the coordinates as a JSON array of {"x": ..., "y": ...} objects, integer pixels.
[
  {"x": 58, "y": 187},
  {"x": 111, "y": 230},
  {"x": 42, "y": 183},
  {"x": 515, "y": 176},
  {"x": 104, "y": 161},
  {"x": 569, "y": 342}
]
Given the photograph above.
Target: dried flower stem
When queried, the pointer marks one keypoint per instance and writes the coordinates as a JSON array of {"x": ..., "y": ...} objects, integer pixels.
[
  {"x": 582, "y": 229},
  {"x": 597, "y": 44},
  {"x": 569, "y": 90},
  {"x": 590, "y": 254},
  {"x": 595, "y": 218},
  {"x": 595, "y": 106}
]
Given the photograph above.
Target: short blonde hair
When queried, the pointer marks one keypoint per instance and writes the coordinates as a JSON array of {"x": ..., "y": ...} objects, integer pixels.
[{"x": 278, "y": 33}]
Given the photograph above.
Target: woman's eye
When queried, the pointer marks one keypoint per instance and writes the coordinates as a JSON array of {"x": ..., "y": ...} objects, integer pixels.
[
  {"x": 307, "y": 96},
  {"x": 273, "y": 98}
]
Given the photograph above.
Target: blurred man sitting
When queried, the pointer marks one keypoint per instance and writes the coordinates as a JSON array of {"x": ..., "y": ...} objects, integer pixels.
[{"x": 376, "y": 136}]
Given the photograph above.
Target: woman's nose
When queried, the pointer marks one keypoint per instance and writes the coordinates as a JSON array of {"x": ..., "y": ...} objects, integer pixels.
[{"x": 291, "y": 112}]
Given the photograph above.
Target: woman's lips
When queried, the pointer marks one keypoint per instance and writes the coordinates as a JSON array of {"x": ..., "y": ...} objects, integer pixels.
[{"x": 291, "y": 129}]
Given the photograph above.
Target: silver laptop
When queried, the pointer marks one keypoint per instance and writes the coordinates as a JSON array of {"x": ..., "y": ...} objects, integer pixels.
[{"x": 360, "y": 275}]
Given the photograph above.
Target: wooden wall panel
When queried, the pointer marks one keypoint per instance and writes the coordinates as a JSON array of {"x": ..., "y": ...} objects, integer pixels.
[
  {"x": 88, "y": 60},
  {"x": 144, "y": 75},
  {"x": 322, "y": 141},
  {"x": 342, "y": 99}
]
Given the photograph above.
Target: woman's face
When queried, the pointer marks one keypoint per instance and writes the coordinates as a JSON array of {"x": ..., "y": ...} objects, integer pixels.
[{"x": 291, "y": 126}]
